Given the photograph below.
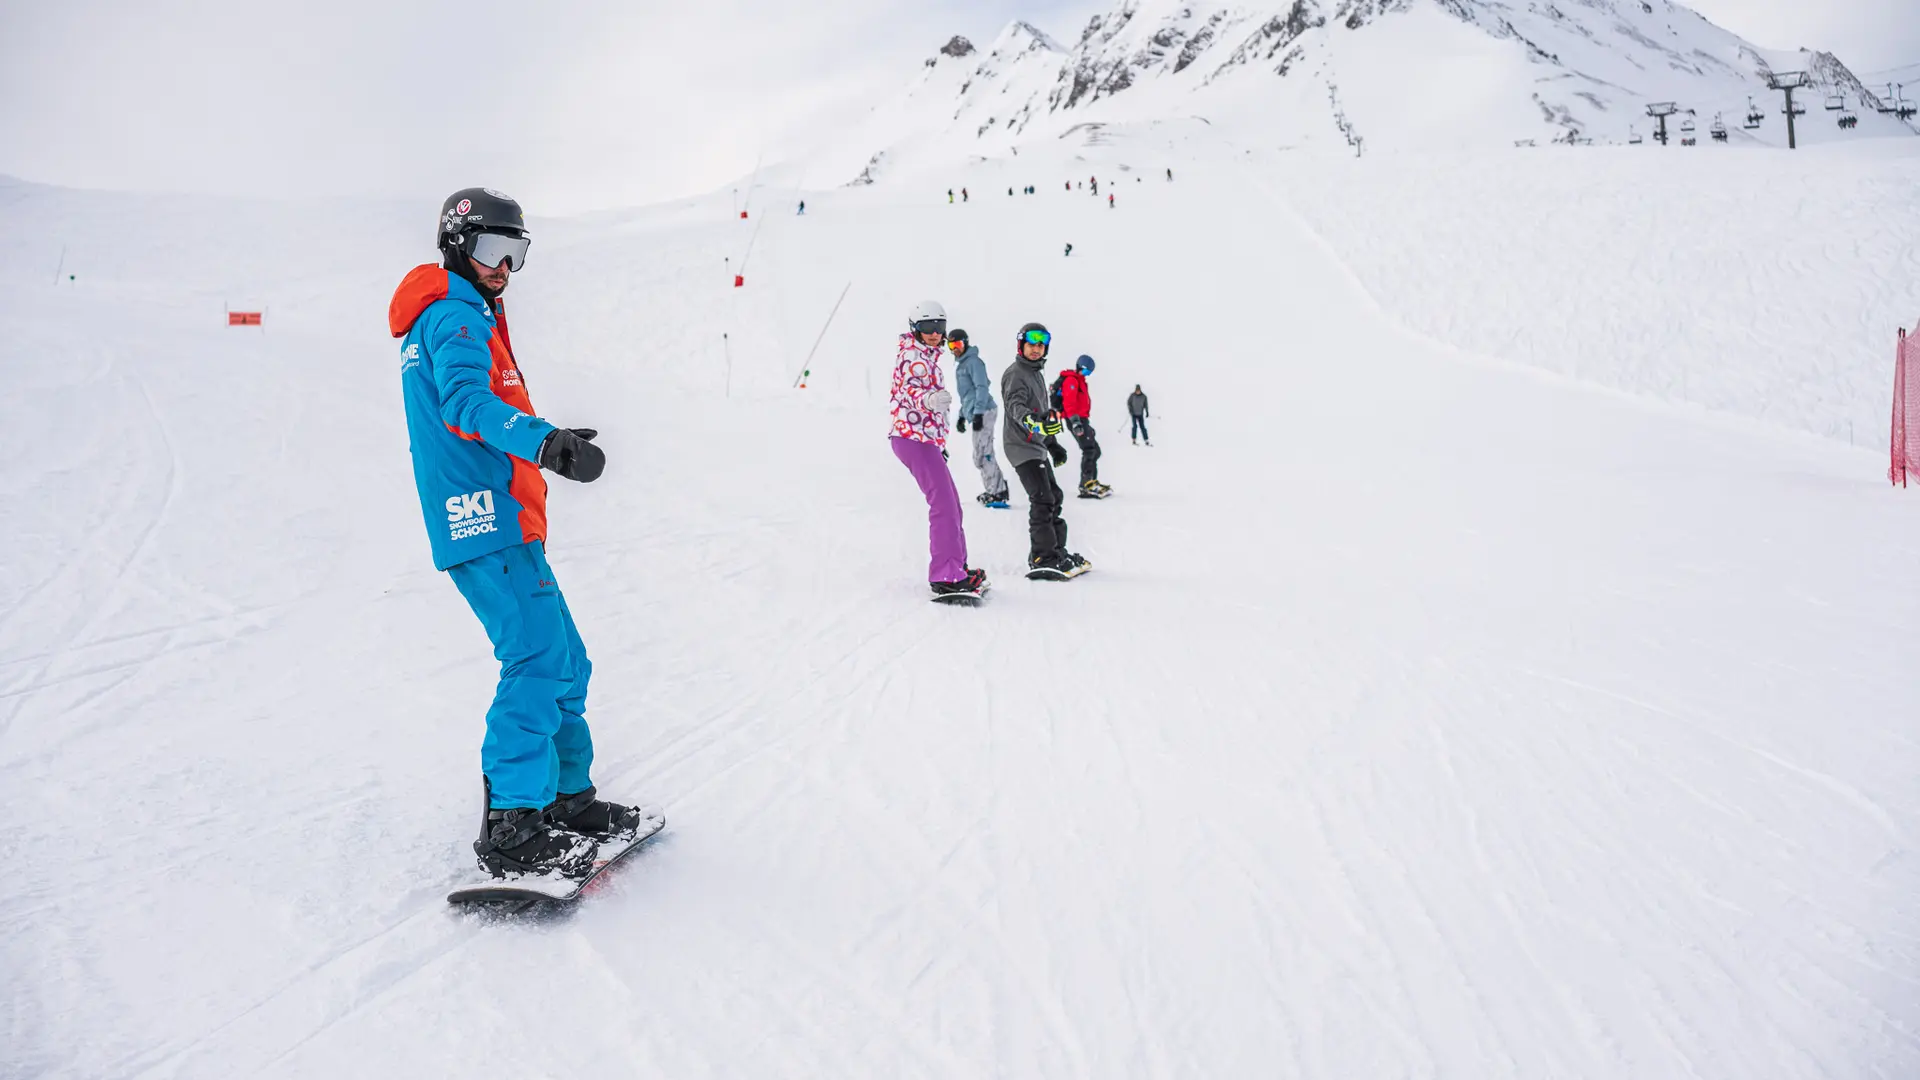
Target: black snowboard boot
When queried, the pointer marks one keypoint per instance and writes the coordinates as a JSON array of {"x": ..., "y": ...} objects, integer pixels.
[
  {"x": 522, "y": 841},
  {"x": 586, "y": 815},
  {"x": 975, "y": 582}
]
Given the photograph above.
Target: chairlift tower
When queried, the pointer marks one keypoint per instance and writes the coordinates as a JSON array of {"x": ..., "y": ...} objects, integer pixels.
[
  {"x": 1787, "y": 82},
  {"x": 1660, "y": 110}
]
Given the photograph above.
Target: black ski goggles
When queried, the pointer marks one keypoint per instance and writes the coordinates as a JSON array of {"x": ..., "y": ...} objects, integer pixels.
[
  {"x": 931, "y": 326},
  {"x": 488, "y": 249}
]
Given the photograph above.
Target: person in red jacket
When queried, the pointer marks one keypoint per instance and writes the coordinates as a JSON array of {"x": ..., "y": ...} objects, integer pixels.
[{"x": 1077, "y": 405}]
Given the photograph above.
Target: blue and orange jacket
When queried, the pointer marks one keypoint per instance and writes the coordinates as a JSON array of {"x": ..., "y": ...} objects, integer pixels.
[{"x": 470, "y": 424}]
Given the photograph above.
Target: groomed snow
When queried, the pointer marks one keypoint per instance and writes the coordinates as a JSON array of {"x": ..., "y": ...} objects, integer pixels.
[{"x": 1425, "y": 715}]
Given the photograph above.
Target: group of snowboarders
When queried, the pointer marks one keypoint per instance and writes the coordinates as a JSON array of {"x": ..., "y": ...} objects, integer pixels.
[
  {"x": 479, "y": 456},
  {"x": 1028, "y": 431}
]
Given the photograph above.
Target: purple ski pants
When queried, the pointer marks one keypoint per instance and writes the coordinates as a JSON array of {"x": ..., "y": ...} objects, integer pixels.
[{"x": 944, "y": 534}]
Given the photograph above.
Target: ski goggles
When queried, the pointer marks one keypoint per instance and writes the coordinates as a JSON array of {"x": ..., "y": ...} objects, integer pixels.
[
  {"x": 957, "y": 344},
  {"x": 931, "y": 326},
  {"x": 488, "y": 249},
  {"x": 1037, "y": 337}
]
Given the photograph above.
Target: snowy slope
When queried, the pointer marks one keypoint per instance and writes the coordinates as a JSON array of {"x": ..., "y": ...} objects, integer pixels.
[
  {"x": 1389, "y": 738},
  {"x": 1361, "y": 74}
]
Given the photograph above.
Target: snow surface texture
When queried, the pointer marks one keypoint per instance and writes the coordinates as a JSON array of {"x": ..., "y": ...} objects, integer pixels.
[
  {"x": 1765, "y": 284},
  {"x": 1359, "y": 75},
  {"x": 1424, "y": 716}
]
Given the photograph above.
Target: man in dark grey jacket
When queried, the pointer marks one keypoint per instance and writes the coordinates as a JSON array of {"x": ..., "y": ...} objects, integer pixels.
[
  {"x": 1029, "y": 437},
  {"x": 1137, "y": 408}
]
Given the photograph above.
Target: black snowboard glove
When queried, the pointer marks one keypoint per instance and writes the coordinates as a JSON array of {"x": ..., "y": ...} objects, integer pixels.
[
  {"x": 571, "y": 453},
  {"x": 1057, "y": 452},
  {"x": 977, "y": 417},
  {"x": 960, "y": 422}
]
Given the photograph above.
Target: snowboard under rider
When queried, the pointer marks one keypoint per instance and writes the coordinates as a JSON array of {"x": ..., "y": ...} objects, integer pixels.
[
  {"x": 1076, "y": 404},
  {"x": 977, "y": 407},
  {"x": 1029, "y": 437},
  {"x": 478, "y": 448},
  {"x": 919, "y": 401}
]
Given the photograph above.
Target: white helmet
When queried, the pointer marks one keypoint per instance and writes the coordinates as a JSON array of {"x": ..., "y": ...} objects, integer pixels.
[{"x": 927, "y": 317}]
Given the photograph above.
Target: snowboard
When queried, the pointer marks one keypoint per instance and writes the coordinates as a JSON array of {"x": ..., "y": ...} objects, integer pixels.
[
  {"x": 521, "y": 894},
  {"x": 1099, "y": 494}
]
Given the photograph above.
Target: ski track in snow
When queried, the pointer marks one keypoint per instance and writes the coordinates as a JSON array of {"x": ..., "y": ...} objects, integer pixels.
[{"x": 1510, "y": 729}]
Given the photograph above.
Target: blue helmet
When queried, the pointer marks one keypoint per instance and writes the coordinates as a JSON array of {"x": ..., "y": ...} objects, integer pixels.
[{"x": 1084, "y": 365}]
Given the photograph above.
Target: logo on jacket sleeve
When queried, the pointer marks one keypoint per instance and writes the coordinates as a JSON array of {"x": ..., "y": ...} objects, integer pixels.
[{"x": 470, "y": 515}]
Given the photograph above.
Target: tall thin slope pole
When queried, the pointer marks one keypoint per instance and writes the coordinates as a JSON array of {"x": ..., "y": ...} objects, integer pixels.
[{"x": 807, "y": 368}]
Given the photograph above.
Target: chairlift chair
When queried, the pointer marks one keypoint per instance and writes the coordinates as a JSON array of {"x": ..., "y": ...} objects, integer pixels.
[
  {"x": 1836, "y": 102},
  {"x": 1754, "y": 116},
  {"x": 1719, "y": 130}
]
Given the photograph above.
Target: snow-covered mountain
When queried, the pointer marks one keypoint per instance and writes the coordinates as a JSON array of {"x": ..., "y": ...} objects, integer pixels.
[{"x": 1364, "y": 74}]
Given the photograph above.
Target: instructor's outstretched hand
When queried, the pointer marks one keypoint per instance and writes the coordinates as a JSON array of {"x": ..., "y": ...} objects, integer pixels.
[{"x": 571, "y": 453}]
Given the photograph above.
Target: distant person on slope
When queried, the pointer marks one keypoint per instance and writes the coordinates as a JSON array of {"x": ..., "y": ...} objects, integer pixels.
[
  {"x": 919, "y": 401},
  {"x": 977, "y": 407},
  {"x": 1137, "y": 408},
  {"x": 1030, "y": 439},
  {"x": 477, "y": 454},
  {"x": 1076, "y": 404}
]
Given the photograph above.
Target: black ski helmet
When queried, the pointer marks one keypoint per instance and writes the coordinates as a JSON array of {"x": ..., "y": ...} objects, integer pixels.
[
  {"x": 1020, "y": 340},
  {"x": 957, "y": 335},
  {"x": 476, "y": 210}
]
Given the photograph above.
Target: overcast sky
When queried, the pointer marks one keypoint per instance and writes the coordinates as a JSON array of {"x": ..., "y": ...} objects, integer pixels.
[{"x": 569, "y": 105}]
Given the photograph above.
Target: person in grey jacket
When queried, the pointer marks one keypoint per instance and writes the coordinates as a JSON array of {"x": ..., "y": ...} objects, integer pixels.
[
  {"x": 1030, "y": 438},
  {"x": 977, "y": 407},
  {"x": 1137, "y": 408}
]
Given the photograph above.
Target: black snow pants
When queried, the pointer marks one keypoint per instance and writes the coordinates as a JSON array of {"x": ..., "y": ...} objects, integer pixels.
[
  {"x": 1046, "y": 529},
  {"x": 1089, "y": 448}
]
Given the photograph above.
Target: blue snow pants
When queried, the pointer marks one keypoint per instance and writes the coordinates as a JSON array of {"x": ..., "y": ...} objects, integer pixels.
[{"x": 537, "y": 741}]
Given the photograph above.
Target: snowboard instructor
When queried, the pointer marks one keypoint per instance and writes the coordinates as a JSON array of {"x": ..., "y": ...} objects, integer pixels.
[{"x": 478, "y": 449}]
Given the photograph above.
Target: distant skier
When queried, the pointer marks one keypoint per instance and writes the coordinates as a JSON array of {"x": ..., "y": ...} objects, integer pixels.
[
  {"x": 1094, "y": 181},
  {"x": 949, "y": 195},
  {"x": 1069, "y": 249},
  {"x": 1109, "y": 200},
  {"x": 976, "y": 401},
  {"x": 1137, "y": 408},
  {"x": 1169, "y": 174},
  {"x": 803, "y": 206},
  {"x": 1069, "y": 185},
  {"x": 1076, "y": 404},
  {"x": 964, "y": 196},
  {"x": 1030, "y": 438},
  {"x": 919, "y": 402},
  {"x": 477, "y": 454}
]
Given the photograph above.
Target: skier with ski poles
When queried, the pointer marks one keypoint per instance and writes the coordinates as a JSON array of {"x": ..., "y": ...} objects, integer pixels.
[
  {"x": 1076, "y": 404},
  {"x": 478, "y": 450},
  {"x": 919, "y": 401},
  {"x": 976, "y": 402},
  {"x": 1137, "y": 409},
  {"x": 1030, "y": 438}
]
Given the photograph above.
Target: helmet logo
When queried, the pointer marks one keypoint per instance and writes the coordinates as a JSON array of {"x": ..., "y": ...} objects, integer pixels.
[
  {"x": 463, "y": 206},
  {"x": 495, "y": 194}
]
